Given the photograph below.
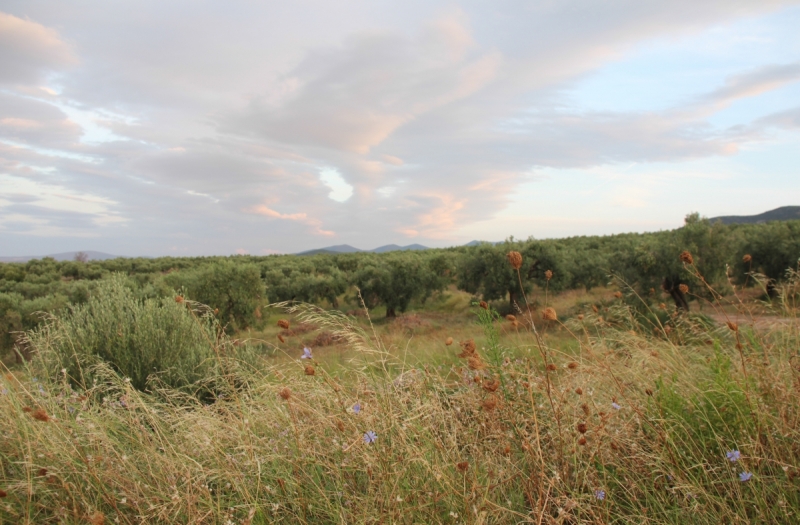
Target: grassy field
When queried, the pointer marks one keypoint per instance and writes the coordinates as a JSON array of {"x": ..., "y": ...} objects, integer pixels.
[{"x": 582, "y": 414}]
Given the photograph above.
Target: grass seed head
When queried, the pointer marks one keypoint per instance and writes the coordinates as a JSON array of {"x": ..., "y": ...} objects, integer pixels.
[
  {"x": 283, "y": 323},
  {"x": 514, "y": 259},
  {"x": 687, "y": 257}
]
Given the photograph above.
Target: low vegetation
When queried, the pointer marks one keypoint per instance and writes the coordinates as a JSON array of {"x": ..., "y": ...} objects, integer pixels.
[{"x": 625, "y": 412}]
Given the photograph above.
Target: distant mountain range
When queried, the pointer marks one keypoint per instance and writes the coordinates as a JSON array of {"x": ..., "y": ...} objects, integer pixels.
[
  {"x": 784, "y": 213},
  {"x": 346, "y": 248},
  {"x": 66, "y": 256}
]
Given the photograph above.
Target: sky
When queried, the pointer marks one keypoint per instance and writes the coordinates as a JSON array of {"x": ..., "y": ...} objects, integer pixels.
[{"x": 198, "y": 127}]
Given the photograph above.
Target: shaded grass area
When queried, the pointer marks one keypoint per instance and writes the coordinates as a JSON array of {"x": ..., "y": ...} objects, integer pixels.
[{"x": 596, "y": 419}]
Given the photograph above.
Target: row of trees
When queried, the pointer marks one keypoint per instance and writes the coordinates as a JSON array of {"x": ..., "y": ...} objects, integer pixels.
[{"x": 238, "y": 286}]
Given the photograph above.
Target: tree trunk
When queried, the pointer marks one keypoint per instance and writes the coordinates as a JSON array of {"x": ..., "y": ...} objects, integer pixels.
[
  {"x": 512, "y": 300},
  {"x": 390, "y": 313},
  {"x": 672, "y": 287}
]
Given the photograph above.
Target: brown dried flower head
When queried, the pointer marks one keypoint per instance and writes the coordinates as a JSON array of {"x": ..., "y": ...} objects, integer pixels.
[
  {"x": 3, "y": 493},
  {"x": 580, "y": 317},
  {"x": 40, "y": 415},
  {"x": 484, "y": 305},
  {"x": 683, "y": 288},
  {"x": 662, "y": 306},
  {"x": 747, "y": 258},
  {"x": 549, "y": 314},
  {"x": 340, "y": 425},
  {"x": 733, "y": 326},
  {"x": 281, "y": 339},
  {"x": 687, "y": 257},
  {"x": 511, "y": 318},
  {"x": 552, "y": 367},
  {"x": 448, "y": 341},
  {"x": 491, "y": 386},
  {"x": 469, "y": 348},
  {"x": 548, "y": 274},
  {"x": 178, "y": 299},
  {"x": 310, "y": 370},
  {"x": 462, "y": 466},
  {"x": 582, "y": 441},
  {"x": 514, "y": 259},
  {"x": 582, "y": 428},
  {"x": 579, "y": 391},
  {"x": 285, "y": 393},
  {"x": 97, "y": 518},
  {"x": 594, "y": 308},
  {"x": 216, "y": 311},
  {"x": 283, "y": 323},
  {"x": 475, "y": 363},
  {"x": 572, "y": 365},
  {"x": 490, "y": 402},
  {"x": 585, "y": 409},
  {"x": 618, "y": 294},
  {"x": 648, "y": 391},
  {"x": 652, "y": 291}
]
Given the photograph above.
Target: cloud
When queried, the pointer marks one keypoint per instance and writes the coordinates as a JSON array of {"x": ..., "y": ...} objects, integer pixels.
[
  {"x": 28, "y": 50},
  {"x": 211, "y": 132},
  {"x": 315, "y": 224}
]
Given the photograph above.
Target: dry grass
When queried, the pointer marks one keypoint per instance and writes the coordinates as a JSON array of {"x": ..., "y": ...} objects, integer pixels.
[{"x": 596, "y": 421}]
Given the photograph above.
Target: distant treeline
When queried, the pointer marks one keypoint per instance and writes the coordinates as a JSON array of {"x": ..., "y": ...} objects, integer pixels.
[{"x": 239, "y": 286}]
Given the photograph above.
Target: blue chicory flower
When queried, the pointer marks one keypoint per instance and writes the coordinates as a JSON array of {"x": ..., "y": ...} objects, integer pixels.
[
  {"x": 370, "y": 437},
  {"x": 600, "y": 494},
  {"x": 306, "y": 354},
  {"x": 745, "y": 476},
  {"x": 616, "y": 406},
  {"x": 733, "y": 455},
  {"x": 357, "y": 408}
]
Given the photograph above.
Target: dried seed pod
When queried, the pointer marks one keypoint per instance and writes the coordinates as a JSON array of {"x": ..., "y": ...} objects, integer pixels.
[
  {"x": 491, "y": 386},
  {"x": 448, "y": 341},
  {"x": 552, "y": 367},
  {"x": 462, "y": 466},
  {"x": 683, "y": 288},
  {"x": 285, "y": 393},
  {"x": 618, "y": 294},
  {"x": 40, "y": 415},
  {"x": 733, "y": 326},
  {"x": 572, "y": 365},
  {"x": 579, "y": 391},
  {"x": 178, "y": 299},
  {"x": 511, "y": 318},
  {"x": 468, "y": 347},
  {"x": 687, "y": 257},
  {"x": 514, "y": 259},
  {"x": 582, "y": 428},
  {"x": 580, "y": 317},
  {"x": 283, "y": 323},
  {"x": 747, "y": 258},
  {"x": 484, "y": 305},
  {"x": 548, "y": 275},
  {"x": 281, "y": 339},
  {"x": 582, "y": 441},
  {"x": 549, "y": 314},
  {"x": 310, "y": 370}
]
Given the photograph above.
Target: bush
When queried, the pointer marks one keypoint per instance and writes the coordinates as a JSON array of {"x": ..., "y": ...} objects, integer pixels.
[{"x": 137, "y": 338}]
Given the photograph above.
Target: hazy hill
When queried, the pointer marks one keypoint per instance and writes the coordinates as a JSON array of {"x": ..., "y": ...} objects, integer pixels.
[
  {"x": 346, "y": 248},
  {"x": 784, "y": 213}
]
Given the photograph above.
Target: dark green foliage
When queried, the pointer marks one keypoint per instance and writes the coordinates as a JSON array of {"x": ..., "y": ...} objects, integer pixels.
[
  {"x": 136, "y": 337},
  {"x": 235, "y": 289},
  {"x": 396, "y": 279}
]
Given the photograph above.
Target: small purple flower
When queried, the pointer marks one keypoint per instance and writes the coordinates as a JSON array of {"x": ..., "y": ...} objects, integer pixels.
[
  {"x": 745, "y": 476},
  {"x": 600, "y": 494},
  {"x": 306, "y": 354},
  {"x": 733, "y": 455},
  {"x": 357, "y": 408},
  {"x": 615, "y": 406},
  {"x": 370, "y": 437}
]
